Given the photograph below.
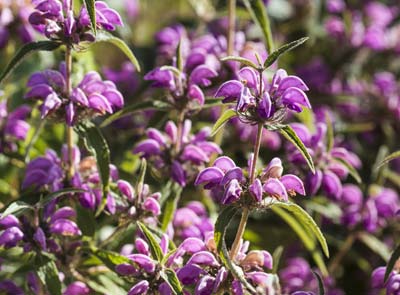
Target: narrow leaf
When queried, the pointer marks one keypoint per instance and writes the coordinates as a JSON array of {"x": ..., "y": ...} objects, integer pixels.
[
  {"x": 288, "y": 132},
  {"x": 242, "y": 60},
  {"x": 48, "y": 274},
  {"x": 321, "y": 288},
  {"x": 281, "y": 50},
  {"x": 137, "y": 107},
  {"x": 142, "y": 174},
  {"x": 305, "y": 220},
  {"x": 277, "y": 258},
  {"x": 170, "y": 207},
  {"x": 376, "y": 245},
  {"x": 109, "y": 258},
  {"x": 389, "y": 158},
  {"x": 109, "y": 38},
  {"x": 16, "y": 208},
  {"x": 24, "y": 51},
  {"x": 169, "y": 276},
  {"x": 179, "y": 58},
  {"x": 57, "y": 194},
  {"x": 92, "y": 13},
  {"x": 353, "y": 172},
  {"x": 392, "y": 261},
  {"x": 329, "y": 133},
  {"x": 259, "y": 14},
  {"x": 173, "y": 69},
  {"x": 86, "y": 221},
  {"x": 97, "y": 145},
  {"x": 228, "y": 114},
  {"x": 155, "y": 248}
]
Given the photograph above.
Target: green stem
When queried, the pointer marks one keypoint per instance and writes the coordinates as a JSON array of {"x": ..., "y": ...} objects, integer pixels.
[
  {"x": 245, "y": 214},
  {"x": 270, "y": 40},
  {"x": 231, "y": 27}
]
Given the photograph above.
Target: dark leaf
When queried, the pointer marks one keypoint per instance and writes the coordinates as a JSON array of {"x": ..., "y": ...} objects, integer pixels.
[
  {"x": 321, "y": 289},
  {"x": 353, "y": 172},
  {"x": 86, "y": 221},
  {"x": 57, "y": 194},
  {"x": 281, "y": 50},
  {"x": 389, "y": 158},
  {"x": 392, "y": 261},
  {"x": 24, "y": 51},
  {"x": 169, "y": 276},
  {"x": 170, "y": 206},
  {"x": 291, "y": 135},
  {"x": 92, "y": 13},
  {"x": 16, "y": 208},
  {"x": 109, "y": 258},
  {"x": 228, "y": 114},
  {"x": 375, "y": 244},
  {"x": 155, "y": 248},
  {"x": 109, "y": 38},
  {"x": 242, "y": 60},
  {"x": 48, "y": 274}
]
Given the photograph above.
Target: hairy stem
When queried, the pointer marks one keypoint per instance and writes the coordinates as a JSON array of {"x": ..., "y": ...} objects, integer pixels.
[
  {"x": 69, "y": 130},
  {"x": 181, "y": 119},
  {"x": 245, "y": 214},
  {"x": 231, "y": 26}
]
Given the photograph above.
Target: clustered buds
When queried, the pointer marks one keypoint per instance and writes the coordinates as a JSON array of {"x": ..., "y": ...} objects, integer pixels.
[
  {"x": 91, "y": 97},
  {"x": 228, "y": 183}
]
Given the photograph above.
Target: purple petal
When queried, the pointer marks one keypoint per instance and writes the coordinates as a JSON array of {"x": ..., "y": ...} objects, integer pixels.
[
  {"x": 39, "y": 91},
  {"x": 140, "y": 288},
  {"x": 126, "y": 189},
  {"x": 172, "y": 131},
  {"x": 294, "y": 97},
  {"x": 203, "y": 258},
  {"x": 152, "y": 206},
  {"x": 178, "y": 174},
  {"x": 232, "y": 192},
  {"x": 201, "y": 76},
  {"x": 331, "y": 184},
  {"x": 291, "y": 81},
  {"x": 114, "y": 97},
  {"x": 144, "y": 262},
  {"x": 224, "y": 163},
  {"x": 10, "y": 237},
  {"x": 204, "y": 286},
  {"x": 192, "y": 245},
  {"x": 275, "y": 188},
  {"x": 51, "y": 102},
  {"x": 230, "y": 90},
  {"x": 64, "y": 227},
  {"x": 153, "y": 133},
  {"x": 99, "y": 103},
  {"x": 293, "y": 184},
  {"x": 195, "y": 93},
  {"x": 256, "y": 190},
  {"x": 234, "y": 173},
  {"x": 147, "y": 148},
  {"x": 265, "y": 106},
  {"x": 189, "y": 274},
  {"x": 211, "y": 175},
  {"x": 77, "y": 288},
  {"x": 249, "y": 77},
  {"x": 70, "y": 113},
  {"x": 142, "y": 247},
  {"x": 194, "y": 154},
  {"x": 64, "y": 212}
]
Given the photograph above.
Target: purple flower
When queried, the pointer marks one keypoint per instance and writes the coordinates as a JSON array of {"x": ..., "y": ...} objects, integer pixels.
[
  {"x": 77, "y": 288},
  {"x": 92, "y": 93},
  {"x": 258, "y": 101},
  {"x": 13, "y": 126}
]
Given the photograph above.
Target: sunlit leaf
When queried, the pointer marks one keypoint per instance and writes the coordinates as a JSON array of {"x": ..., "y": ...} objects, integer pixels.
[{"x": 228, "y": 114}]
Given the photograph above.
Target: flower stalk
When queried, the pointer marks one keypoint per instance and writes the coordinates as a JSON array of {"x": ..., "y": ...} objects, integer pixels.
[{"x": 69, "y": 130}]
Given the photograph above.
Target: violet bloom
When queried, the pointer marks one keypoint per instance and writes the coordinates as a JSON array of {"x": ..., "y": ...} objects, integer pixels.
[
  {"x": 178, "y": 155},
  {"x": 228, "y": 183},
  {"x": 56, "y": 20},
  {"x": 257, "y": 101},
  {"x": 14, "y": 21},
  {"x": 91, "y": 97},
  {"x": 392, "y": 285},
  {"x": 386, "y": 86},
  {"x": 198, "y": 267},
  {"x": 9, "y": 287},
  {"x": 77, "y": 288},
  {"x": 329, "y": 171},
  {"x": 13, "y": 126}
]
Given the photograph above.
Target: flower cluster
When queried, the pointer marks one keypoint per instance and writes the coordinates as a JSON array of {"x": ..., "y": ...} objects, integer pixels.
[
  {"x": 392, "y": 285},
  {"x": 228, "y": 183},
  {"x": 56, "y": 20},
  {"x": 258, "y": 101},
  {"x": 177, "y": 152},
  {"x": 91, "y": 97},
  {"x": 13, "y": 126}
]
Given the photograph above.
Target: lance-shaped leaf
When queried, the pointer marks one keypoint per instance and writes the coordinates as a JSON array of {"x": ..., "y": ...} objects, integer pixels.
[
  {"x": 105, "y": 37},
  {"x": 133, "y": 108},
  {"x": 86, "y": 221},
  {"x": 389, "y": 158},
  {"x": 17, "y": 208},
  {"x": 392, "y": 261},
  {"x": 179, "y": 58},
  {"x": 288, "y": 132},
  {"x": 242, "y": 60},
  {"x": 92, "y": 13},
  {"x": 154, "y": 245},
  {"x": 55, "y": 195},
  {"x": 109, "y": 258},
  {"x": 305, "y": 220},
  {"x": 228, "y": 114},
  {"x": 142, "y": 174},
  {"x": 48, "y": 274},
  {"x": 260, "y": 16},
  {"x": 170, "y": 206},
  {"x": 169, "y": 276},
  {"x": 24, "y": 51},
  {"x": 276, "y": 258},
  {"x": 305, "y": 236},
  {"x": 281, "y": 50},
  {"x": 375, "y": 244},
  {"x": 321, "y": 288},
  {"x": 353, "y": 172},
  {"x": 330, "y": 140},
  {"x": 97, "y": 145}
]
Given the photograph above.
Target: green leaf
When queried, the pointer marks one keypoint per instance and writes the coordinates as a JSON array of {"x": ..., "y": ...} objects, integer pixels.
[
  {"x": 133, "y": 108},
  {"x": 376, "y": 245},
  {"x": 329, "y": 133},
  {"x": 305, "y": 220},
  {"x": 170, "y": 206},
  {"x": 222, "y": 223},
  {"x": 321, "y": 288},
  {"x": 173, "y": 69},
  {"x": 179, "y": 58},
  {"x": 288, "y": 132},
  {"x": 104, "y": 37},
  {"x": 305, "y": 236},
  {"x": 155, "y": 248},
  {"x": 24, "y": 51},
  {"x": 277, "y": 258},
  {"x": 168, "y": 255},
  {"x": 389, "y": 158},
  {"x": 259, "y": 14},
  {"x": 57, "y": 194},
  {"x": 48, "y": 274},
  {"x": 92, "y": 13},
  {"x": 109, "y": 258},
  {"x": 169, "y": 276},
  {"x": 209, "y": 103},
  {"x": 392, "y": 261},
  {"x": 142, "y": 174},
  {"x": 16, "y": 208},
  {"x": 228, "y": 114},
  {"x": 353, "y": 172},
  {"x": 86, "y": 221},
  {"x": 97, "y": 145},
  {"x": 242, "y": 60},
  {"x": 281, "y": 50}
]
